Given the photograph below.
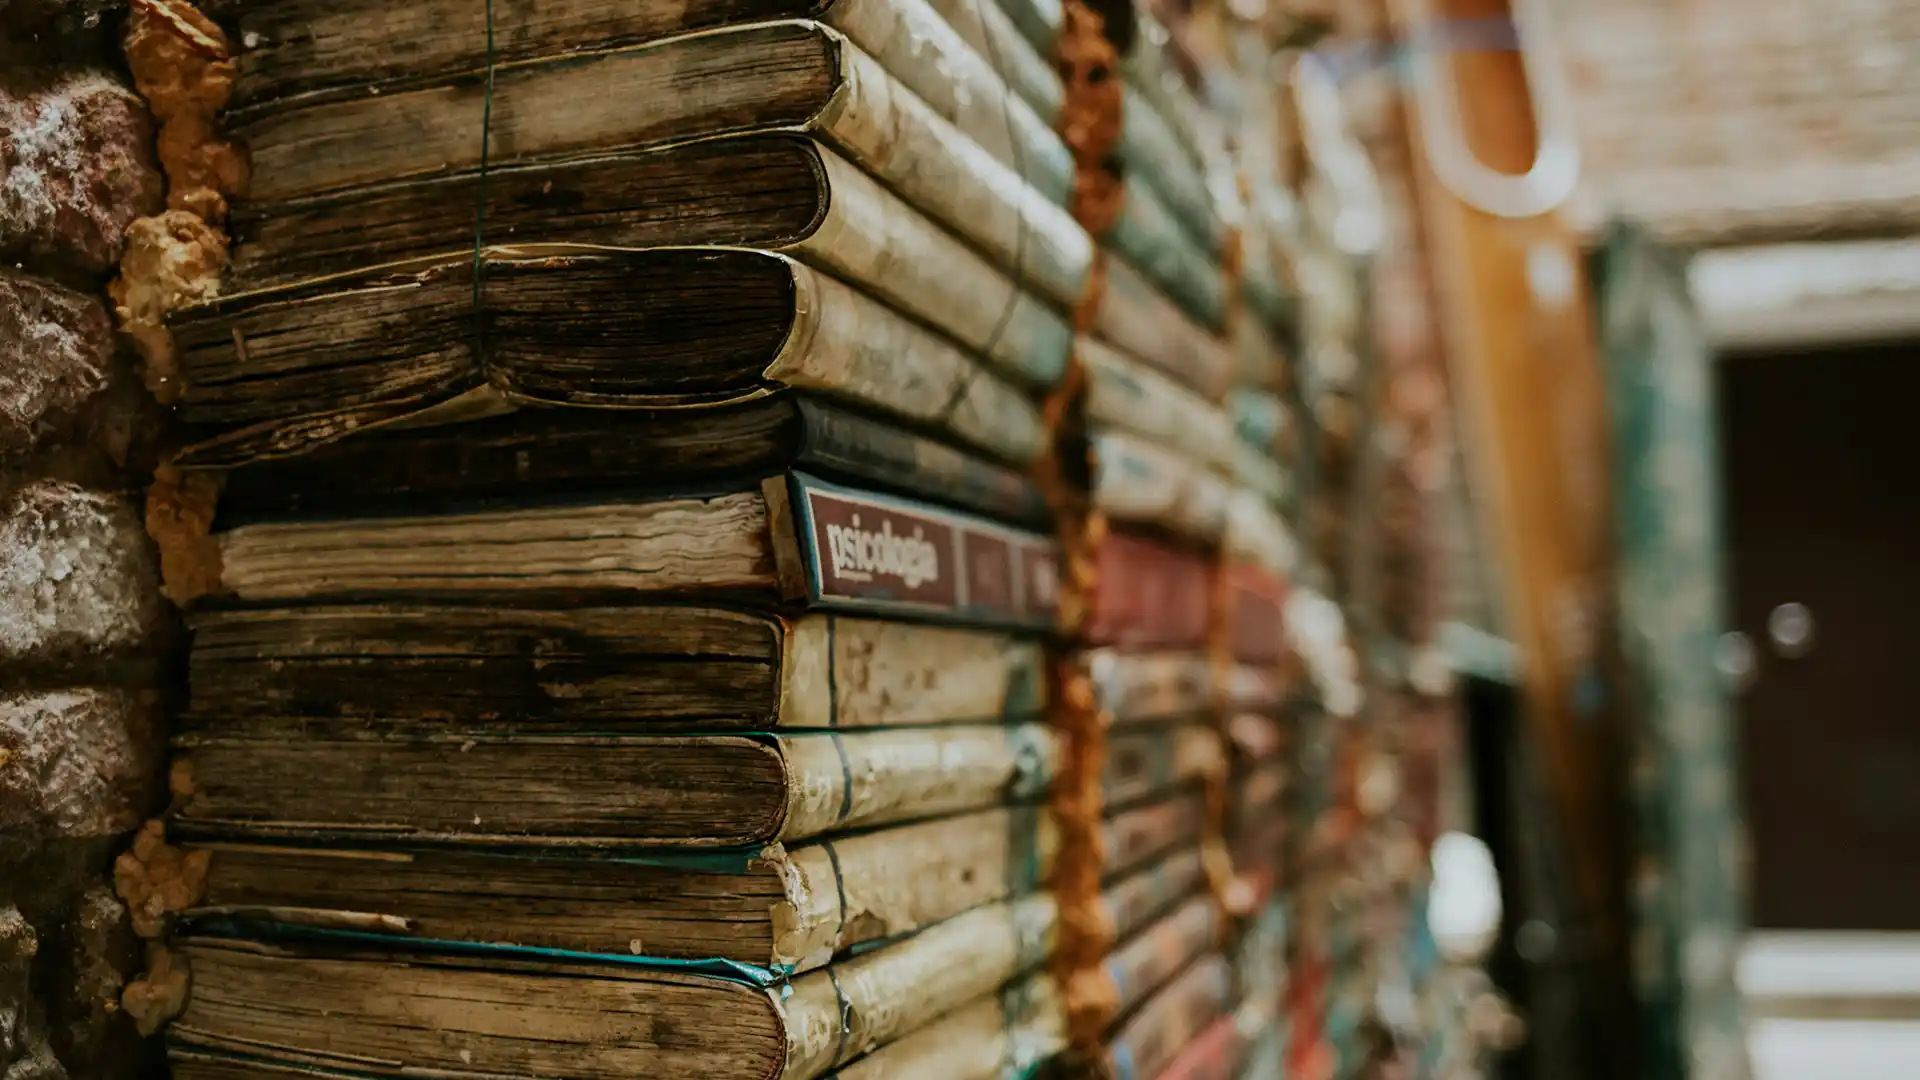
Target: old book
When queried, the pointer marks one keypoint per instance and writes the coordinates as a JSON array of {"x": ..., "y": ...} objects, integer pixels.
[
  {"x": 1149, "y": 1040},
  {"x": 1147, "y": 687},
  {"x": 1149, "y": 143},
  {"x": 1127, "y": 395},
  {"x": 800, "y": 77},
  {"x": 562, "y": 450},
  {"x": 1002, "y": 1037},
  {"x": 335, "y": 1001},
  {"x": 1139, "y": 482},
  {"x": 792, "y": 538},
  {"x": 1150, "y": 596},
  {"x": 1139, "y": 319},
  {"x": 1264, "y": 372},
  {"x": 426, "y": 668},
  {"x": 1142, "y": 964},
  {"x": 1134, "y": 900},
  {"x": 773, "y": 906},
  {"x": 1266, "y": 421},
  {"x": 1220, "y": 1051},
  {"x": 595, "y": 791},
  {"x": 1138, "y": 836},
  {"x": 301, "y": 58},
  {"x": 664, "y": 328},
  {"x": 298, "y": 52},
  {"x": 1143, "y": 762}
]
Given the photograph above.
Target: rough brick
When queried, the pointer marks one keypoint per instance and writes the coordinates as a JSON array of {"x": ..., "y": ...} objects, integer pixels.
[
  {"x": 89, "y": 1030},
  {"x": 1729, "y": 121},
  {"x": 76, "y": 764},
  {"x": 24, "y": 1051},
  {"x": 77, "y": 575},
  {"x": 56, "y": 351},
  {"x": 76, "y": 167}
]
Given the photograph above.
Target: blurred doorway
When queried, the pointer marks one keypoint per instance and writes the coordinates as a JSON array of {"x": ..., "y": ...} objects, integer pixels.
[{"x": 1822, "y": 454}]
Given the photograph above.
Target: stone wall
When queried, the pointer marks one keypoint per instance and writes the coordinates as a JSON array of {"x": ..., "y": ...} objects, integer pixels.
[{"x": 85, "y": 637}]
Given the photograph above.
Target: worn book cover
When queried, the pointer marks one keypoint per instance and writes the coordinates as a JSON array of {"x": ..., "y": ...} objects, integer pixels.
[
  {"x": 360, "y": 1004},
  {"x": 792, "y": 539},
  {"x": 783, "y": 907},
  {"x": 568, "y": 451}
]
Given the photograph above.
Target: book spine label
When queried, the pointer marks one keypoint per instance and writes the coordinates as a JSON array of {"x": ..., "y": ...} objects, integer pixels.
[
  {"x": 870, "y": 552},
  {"x": 1150, "y": 596}
]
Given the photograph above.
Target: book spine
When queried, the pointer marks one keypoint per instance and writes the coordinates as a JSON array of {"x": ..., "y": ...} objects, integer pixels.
[
  {"x": 1143, "y": 965},
  {"x": 1139, "y": 482},
  {"x": 1131, "y": 687},
  {"x": 871, "y": 778},
  {"x": 844, "y": 445},
  {"x": 1126, "y": 394},
  {"x": 834, "y": 1016},
  {"x": 1149, "y": 143},
  {"x": 1146, "y": 231},
  {"x": 1150, "y": 69},
  {"x": 890, "y": 132},
  {"x": 1258, "y": 631},
  {"x": 841, "y": 672},
  {"x": 847, "y": 345},
  {"x": 1262, "y": 362},
  {"x": 992, "y": 34},
  {"x": 1215, "y": 1054},
  {"x": 950, "y": 72},
  {"x": 1147, "y": 235},
  {"x": 1149, "y": 1042},
  {"x": 1137, "y": 899},
  {"x": 1150, "y": 596},
  {"x": 1145, "y": 763},
  {"x": 1140, "y": 320},
  {"x": 433, "y": 667},
  {"x": 873, "y": 239},
  {"x": 862, "y": 551},
  {"x": 857, "y": 889},
  {"x": 1002, "y": 1037},
  {"x": 1135, "y": 836},
  {"x": 1267, "y": 296},
  {"x": 1262, "y": 419},
  {"x": 1149, "y": 147}
]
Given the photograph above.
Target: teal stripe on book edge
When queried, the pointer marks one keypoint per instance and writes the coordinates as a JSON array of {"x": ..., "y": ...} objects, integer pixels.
[{"x": 247, "y": 929}]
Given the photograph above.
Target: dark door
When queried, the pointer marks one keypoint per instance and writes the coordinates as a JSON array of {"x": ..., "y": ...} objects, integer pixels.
[{"x": 1822, "y": 451}]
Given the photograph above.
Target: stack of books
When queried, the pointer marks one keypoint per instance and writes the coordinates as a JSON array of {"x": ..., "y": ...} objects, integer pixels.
[
  {"x": 627, "y": 655},
  {"x": 631, "y": 648}
]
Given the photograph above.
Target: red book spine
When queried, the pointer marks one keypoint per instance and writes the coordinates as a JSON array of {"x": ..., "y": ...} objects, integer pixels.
[
  {"x": 1215, "y": 1055},
  {"x": 1150, "y": 596},
  {"x": 1258, "y": 607}
]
